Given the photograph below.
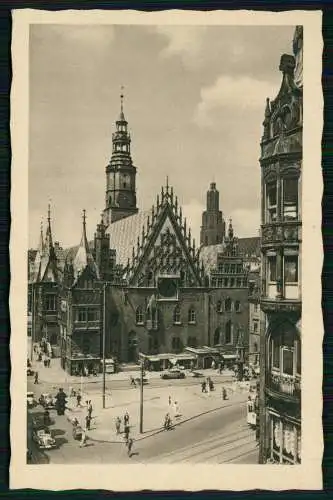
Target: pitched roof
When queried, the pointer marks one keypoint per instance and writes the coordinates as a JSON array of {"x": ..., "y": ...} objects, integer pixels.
[
  {"x": 124, "y": 234},
  {"x": 83, "y": 257}
]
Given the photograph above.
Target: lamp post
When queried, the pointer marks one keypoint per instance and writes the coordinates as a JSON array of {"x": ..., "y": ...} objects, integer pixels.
[
  {"x": 33, "y": 319},
  {"x": 141, "y": 395},
  {"x": 104, "y": 334}
]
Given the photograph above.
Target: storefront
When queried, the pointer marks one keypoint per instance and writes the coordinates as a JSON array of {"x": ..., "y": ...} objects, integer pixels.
[
  {"x": 284, "y": 439},
  {"x": 205, "y": 357},
  {"x": 82, "y": 365},
  {"x": 160, "y": 362}
]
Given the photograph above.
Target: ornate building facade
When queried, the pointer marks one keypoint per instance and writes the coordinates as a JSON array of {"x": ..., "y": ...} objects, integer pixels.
[
  {"x": 281, "y": 244},
  {"x": 142, "y": 286}
]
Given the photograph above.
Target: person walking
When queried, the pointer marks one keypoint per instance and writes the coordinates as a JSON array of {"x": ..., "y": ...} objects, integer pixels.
[
  {"x": 118, "y": 424},
  {"x": 78, "y": 399},
  {"x": 133, "y": 381},
  {"x": 203, "y": 386},
  {"x": 129, "y": 447},
  {"x": 88, "y": 422},
  {"x": 126, "y": 432},
  {"x": 170, "y": 402},
  {"x": 90, "y": 409},
  {"x": 36, "y": 378},
  {"x": 126, "y": 418},
  {"x": 83, "y": 441}
]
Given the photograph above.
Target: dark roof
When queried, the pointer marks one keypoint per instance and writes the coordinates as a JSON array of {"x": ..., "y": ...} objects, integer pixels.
[{"x": 249, "y": 246}]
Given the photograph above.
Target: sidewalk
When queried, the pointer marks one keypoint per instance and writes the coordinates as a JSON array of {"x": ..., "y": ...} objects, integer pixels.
[
  {"x": 55, "y": 374},
  {"x": 191, "y": 404}
]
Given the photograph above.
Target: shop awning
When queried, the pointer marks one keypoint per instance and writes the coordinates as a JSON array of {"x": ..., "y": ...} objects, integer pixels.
[{"x": 229, "y": 356}]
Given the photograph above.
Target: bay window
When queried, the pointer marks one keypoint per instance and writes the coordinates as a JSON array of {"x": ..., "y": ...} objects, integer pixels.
[
  {"x": 291, "y": 269},
  {"x": 290, "y": 199}
]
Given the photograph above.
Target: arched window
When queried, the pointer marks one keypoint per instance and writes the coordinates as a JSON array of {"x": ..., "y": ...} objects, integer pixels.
[
  {"x": 219, "y": 307},
  {"x": 227, "y": 304},
  {"x": 217, "y": 336},
  {"x": 237, "y": 306},
  {"x": 139, "y": 316},
  {"x": 191, "y": 315},
  {"x": 176, "y": 315},
  {"x": 228, "y": 332}
]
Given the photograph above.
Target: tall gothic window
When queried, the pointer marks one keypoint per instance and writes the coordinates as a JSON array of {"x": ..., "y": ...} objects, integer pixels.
[
  {"x": 50, "y": 303},
  {"x": 228, "y": 332},
  {"x": 176, "y": 315},
  {"x": 191, "y": 315},
  {"x": 237, "y": 306},
  {"x": 227, "y": 304},
  {"x": 139, "y": 316},
  {"x": 272, "y": 268}
]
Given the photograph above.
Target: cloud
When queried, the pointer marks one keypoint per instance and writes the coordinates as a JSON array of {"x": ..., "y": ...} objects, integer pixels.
[
  {"x": 82, "y": 34},
  {"x": 183, "y": 41},
  {"x": 234, "y": 94}
]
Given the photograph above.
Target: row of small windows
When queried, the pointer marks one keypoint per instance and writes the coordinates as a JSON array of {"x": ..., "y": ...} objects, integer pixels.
[
  {"x": 230, "y": 268},
  {"x": 289, "y": 200},
  {"x": 228, "y": 305},
  {"x": 87, "y": 314},
  {"x": 229, "y": 282},
  {"x": 191, "y": 315}
]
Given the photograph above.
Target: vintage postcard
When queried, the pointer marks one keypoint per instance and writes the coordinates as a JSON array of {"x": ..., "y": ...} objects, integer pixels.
[{"x": 166, "y": 250}]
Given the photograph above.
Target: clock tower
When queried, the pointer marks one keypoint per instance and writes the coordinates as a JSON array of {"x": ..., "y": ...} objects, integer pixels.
[{"x": 120, "y": 198}]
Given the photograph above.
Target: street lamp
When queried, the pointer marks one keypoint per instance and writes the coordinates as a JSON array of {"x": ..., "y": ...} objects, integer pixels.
[
  {"x": 141, "y": 395},
  {"x": 104, "y": 334},
  {"x": 240, "y": 354}
]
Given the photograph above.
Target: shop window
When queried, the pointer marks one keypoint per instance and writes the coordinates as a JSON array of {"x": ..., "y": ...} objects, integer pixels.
[
  {"x": 228, "y": 332},
  {"x": 272, "y": 268},
  {"x": 227, "y": 304},
  {"x": 237, "y": 306},
  {"x": 290, "y": 199},
  {"x": 291, "y": 269},
  {"x": 271, "y": 200},
  {"x": 50, "y": 303},
  {"x": 192, "y": 316},
  {"x": 176, "y": 315},
  {"x": 139, "y": 316},
  {"x": 285, "y": 441}
]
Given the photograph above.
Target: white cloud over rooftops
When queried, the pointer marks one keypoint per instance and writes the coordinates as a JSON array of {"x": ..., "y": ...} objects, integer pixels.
[{"x": 236, "y": 94}]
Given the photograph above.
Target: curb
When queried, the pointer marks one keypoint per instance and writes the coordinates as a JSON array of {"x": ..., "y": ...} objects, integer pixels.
[{"x": 158, "y": 431}]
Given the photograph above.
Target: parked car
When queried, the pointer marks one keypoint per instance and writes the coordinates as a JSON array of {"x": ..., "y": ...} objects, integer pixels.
[
  {"x": 43, "y": 438},
  {"x": 171, "y": 374},
  {"x": 196, "y": 374},
  {"x": 138, "y": 380},
  {"x": 31, "y": 401},
  {"x": 47, "y": 400}
]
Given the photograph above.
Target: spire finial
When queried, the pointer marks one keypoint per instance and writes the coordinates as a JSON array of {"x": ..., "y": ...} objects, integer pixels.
[
  {"x": 167, "y": 183},
  {"x": 122, "y": 99},
  {"x": 84, "y": 216},
  {"x": 49, "y": 212}
]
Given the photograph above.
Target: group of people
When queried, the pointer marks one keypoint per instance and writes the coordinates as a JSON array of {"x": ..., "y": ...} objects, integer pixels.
[
  {"x": 207, "y": 385},
  {"x": 126, "y": 431}
]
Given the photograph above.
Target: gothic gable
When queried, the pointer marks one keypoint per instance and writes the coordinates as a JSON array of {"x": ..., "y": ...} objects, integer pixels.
[{"x": 165, "y": 248}]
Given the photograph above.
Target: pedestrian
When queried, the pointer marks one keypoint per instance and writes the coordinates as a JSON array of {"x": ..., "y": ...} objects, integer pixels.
[
  {"x": 129, "y": 447},
  {"x": 36, "y": 378},
  {"x": 78, "y": 399},
  {"x": 213, "y": 365},
  {"x": 49, "y": 362},
  {"x": 90, "y": 409},
  {"x": 88, "y": 422},
  {"x": 170, "y": 401},
  {"x": 203, "y": 386},
  {"x": 118, "y": 424},
  {"x": 83, "y": 441},
  {"x": 126, "y": 418},
  {"x": 133, "y": 381},
  {"x": 126, "y": 432}
]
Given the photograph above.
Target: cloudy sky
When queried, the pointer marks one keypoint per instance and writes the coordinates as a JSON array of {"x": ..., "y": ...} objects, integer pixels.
[{"x": 194, "y": 100}]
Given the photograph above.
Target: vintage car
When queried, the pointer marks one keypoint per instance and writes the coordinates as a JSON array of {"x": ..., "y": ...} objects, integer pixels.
[
  {"x": 47, "y": 400},
  {"x": 31, "y": 401},
  {"x": 172, "y": 374},
  {"x": 43, "y": 438},
  {"x": 30, "y": 372}
]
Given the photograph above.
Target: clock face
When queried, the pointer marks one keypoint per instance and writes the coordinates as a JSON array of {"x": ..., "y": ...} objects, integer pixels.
[{"x": 167, "y": 288}]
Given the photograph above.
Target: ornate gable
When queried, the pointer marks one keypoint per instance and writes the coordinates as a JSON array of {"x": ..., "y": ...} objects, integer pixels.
[{"x": 165, "y": 247}]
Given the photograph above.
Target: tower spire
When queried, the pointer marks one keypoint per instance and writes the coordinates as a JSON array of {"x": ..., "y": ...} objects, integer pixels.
[
  {"x": 83, "y": 257},
  {"x": 122, "y": 116}
]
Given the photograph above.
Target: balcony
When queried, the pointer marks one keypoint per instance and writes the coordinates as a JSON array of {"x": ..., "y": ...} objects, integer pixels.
[
  {"x": 287, "y": 386},
  {"x": 281, "y": 232}
]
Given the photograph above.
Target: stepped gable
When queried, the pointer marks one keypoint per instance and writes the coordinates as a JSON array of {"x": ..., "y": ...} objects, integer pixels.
[{"x": 247, "y": 247}]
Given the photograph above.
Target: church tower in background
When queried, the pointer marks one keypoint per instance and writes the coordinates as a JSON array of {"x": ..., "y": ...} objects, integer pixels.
[
  {"x": 213, "y": 224},
  {"x": 120, "y": 198}
]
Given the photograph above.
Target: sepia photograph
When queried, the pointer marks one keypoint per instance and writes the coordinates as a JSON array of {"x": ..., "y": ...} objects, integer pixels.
[{"x": 163, "y": 256}]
